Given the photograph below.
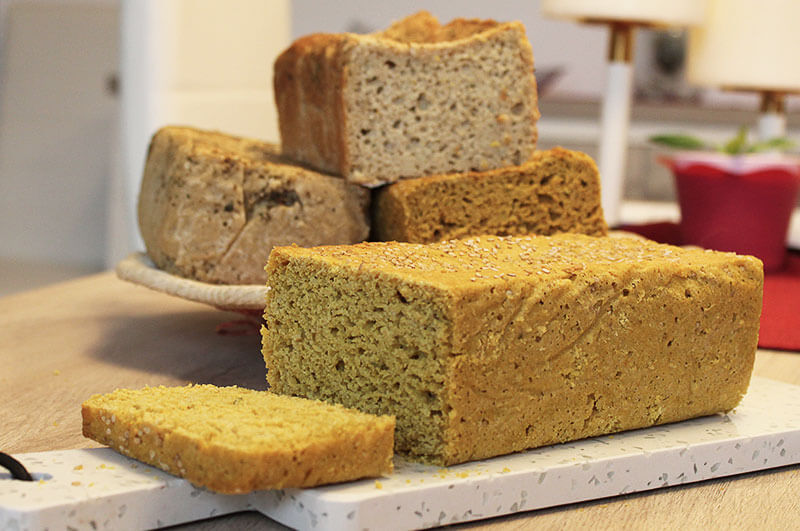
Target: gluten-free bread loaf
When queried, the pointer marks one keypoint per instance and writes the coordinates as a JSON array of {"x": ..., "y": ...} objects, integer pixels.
[
  {"x": 557, "y": 190},
  {"x": 491, "y": 345},
  {"x": 212, "y": 205},
  {"x": 416, "y": 99},
  {"x": 236, "y": 440}
]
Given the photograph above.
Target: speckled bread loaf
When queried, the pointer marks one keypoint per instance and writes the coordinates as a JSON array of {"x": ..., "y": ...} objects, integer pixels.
[
  {"x": 212, "y": 206},
  {"x": 235, "y": 440},
  {"x": 490, "y": 345},
  {"x": 416, "y": 99},
  {"x": 555, "y": 191}
]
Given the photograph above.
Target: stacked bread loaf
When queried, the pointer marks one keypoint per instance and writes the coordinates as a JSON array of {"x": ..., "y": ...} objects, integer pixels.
[
  {"x": 440, "y": 120},
  {"x": 415, "y": 100}
]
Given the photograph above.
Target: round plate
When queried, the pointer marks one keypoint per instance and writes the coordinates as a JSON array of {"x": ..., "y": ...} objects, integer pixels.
[{"x": 139, "y": 269}]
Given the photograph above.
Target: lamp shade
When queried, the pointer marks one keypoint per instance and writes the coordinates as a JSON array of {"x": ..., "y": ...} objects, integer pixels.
[
  {"x": 660, "y": 12},
  {"x": 747, "y": 44}
]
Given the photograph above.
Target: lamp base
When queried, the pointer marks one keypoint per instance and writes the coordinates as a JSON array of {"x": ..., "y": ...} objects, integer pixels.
[{"x": 771, "y": 125}]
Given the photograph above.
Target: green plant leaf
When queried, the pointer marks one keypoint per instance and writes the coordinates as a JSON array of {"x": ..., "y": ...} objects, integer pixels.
[
  {"x": 737, "y": 144},
  {"x": 678, "y": 141},
  {"x": 776, "y": 144}
]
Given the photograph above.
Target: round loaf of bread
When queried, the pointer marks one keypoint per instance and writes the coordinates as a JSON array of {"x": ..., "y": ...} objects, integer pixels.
[{"x": 212, "y": 206}]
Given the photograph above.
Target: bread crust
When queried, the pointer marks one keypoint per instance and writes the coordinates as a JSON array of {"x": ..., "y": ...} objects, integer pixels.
[{"x": 308, "y": 83}]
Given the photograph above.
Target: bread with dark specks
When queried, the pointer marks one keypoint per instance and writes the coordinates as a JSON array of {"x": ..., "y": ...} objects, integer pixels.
[{"x": 212, "y": 205}]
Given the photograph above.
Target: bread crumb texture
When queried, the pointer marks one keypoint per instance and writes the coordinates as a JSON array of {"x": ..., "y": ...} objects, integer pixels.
[
  {"x": 557, "y": 190},
  {"x": 213, "y": 205},
  {"x": 415, "y": 99},
  {"x": 491, "y": 345},
  {"x": 235, "y": 440}
]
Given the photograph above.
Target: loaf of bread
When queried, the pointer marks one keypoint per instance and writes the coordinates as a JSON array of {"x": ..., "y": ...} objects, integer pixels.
[
  {"x": 555, "y": 191},
  {"x": 416, "y": 99},
  {"x": 235, "y": 440},
  {"x": 491, "y": 345},
  {"x": 212, "y": 206}
]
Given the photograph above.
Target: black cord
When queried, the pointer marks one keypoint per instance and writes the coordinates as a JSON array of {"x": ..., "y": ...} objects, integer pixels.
[{"x": 16, "y": 468}]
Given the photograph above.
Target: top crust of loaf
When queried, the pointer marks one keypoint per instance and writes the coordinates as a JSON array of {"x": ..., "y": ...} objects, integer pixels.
[
  {"x": 404, "y": 102},
  {"x": 424, "y": 28},
  {"x": 467, "y": 265}
]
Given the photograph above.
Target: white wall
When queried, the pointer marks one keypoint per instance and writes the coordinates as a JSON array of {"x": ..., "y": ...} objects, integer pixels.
[
  {"x": 70, "y": 160},
  {"x": 55, "y": 117}
]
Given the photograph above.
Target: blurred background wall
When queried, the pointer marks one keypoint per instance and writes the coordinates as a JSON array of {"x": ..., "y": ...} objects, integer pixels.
[{"x": 74, "y": 127}]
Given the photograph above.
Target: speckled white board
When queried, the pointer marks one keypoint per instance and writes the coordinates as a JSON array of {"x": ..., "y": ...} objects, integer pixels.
[{"x": 98, "y": 488}]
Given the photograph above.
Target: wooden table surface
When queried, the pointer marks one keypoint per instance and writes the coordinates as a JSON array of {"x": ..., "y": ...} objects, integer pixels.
[{"x": 62, "y": 343}]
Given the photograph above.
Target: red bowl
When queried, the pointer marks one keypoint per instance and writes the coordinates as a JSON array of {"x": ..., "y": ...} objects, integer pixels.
[{"x": 741, "y": 204}]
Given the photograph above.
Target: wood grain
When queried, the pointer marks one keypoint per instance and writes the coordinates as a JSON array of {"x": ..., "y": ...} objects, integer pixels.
[{"x": 62, "y": 343}]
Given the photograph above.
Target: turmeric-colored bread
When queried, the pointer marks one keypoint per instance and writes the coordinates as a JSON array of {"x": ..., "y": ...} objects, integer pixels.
[
  {"x": 557, "y": 190},
  {"x": 491, "y": 345},
  {"x": 234, "y": 440}
]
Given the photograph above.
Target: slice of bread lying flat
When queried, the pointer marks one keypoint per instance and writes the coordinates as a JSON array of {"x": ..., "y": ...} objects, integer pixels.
[{"x": 234, "y": 440}]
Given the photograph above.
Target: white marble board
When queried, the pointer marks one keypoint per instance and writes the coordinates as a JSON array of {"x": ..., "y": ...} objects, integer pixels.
[{"x": 98, "y": 488}]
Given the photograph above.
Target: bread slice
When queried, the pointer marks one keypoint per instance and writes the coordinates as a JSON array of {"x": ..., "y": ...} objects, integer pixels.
[
  {"x": 212, "y": 206},
  {"x": 416, "y": 99},
  {"x": 491, "y": 345},
  {"x": 557, "y": 190},
  {"x": 235, "y": 440}
]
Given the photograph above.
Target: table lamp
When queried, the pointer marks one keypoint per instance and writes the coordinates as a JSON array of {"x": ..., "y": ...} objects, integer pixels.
[
  {"x": 750, "y": 45},
  {"x": 622, "y": 17}
]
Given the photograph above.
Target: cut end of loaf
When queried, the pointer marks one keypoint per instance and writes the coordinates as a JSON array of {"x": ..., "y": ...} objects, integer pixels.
[
  {"x": 468, "y": 105},
  {"x": 351, "y": 332},
  {"x": 414, "y": 100}
]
